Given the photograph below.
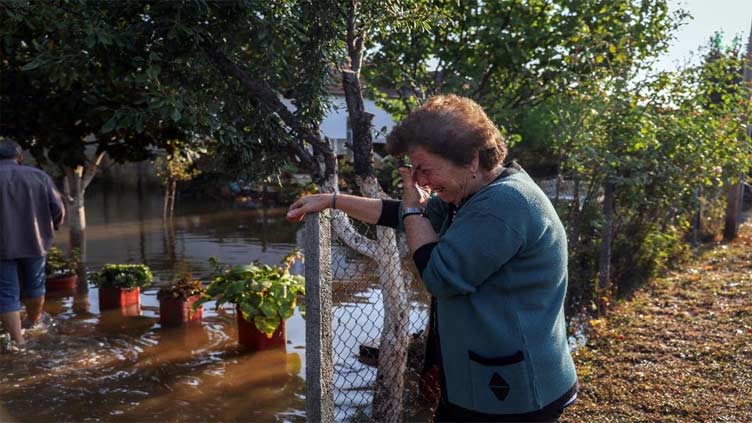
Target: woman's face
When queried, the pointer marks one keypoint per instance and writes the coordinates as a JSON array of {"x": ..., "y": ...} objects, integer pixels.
[{"x": 441, "y": 176}]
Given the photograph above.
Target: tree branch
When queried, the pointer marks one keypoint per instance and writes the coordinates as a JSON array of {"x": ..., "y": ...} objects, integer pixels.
[
  {"x": 91, "y": 170},
  {"x": 269, "y": 99}
]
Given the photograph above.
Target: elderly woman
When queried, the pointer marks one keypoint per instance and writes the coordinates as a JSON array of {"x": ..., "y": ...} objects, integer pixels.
[{"x": 492, "y": 251}]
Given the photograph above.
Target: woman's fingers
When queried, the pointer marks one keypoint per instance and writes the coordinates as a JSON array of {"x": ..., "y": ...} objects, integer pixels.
[
  {"x": 308, "y": 204},
  {"x": 297, "y": 210},
  {"x": 407, "y": 176}
]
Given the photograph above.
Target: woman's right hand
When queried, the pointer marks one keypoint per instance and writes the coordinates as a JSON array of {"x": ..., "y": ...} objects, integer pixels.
[
  {"x": 308, "y": 204},
  {"x": 413, "y": 195}
]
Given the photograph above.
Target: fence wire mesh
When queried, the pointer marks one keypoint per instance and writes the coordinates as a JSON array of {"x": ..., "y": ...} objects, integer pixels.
[{"x": 366, "y": 288}]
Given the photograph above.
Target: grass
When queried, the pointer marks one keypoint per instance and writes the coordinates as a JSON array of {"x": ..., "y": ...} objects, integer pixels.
[{"x": 679, "y": 350}]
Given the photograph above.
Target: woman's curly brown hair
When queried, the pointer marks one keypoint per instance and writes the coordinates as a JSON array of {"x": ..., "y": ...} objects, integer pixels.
[{"x": 451, "y": 127}]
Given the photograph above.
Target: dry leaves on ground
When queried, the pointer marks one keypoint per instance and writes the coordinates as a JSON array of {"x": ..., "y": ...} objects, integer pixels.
[{"x": 680, "y": 350}]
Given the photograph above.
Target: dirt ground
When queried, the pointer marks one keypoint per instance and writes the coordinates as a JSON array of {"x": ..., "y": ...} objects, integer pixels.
[{"x": 679, "y": 350}]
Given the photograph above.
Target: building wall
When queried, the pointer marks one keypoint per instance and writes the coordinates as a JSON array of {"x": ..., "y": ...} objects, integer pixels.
[{"x": 335, "y": 123}]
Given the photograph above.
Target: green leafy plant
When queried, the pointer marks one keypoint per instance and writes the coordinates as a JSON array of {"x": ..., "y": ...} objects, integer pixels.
[
  {"x": 265, "y": 295},
  {"x": 123, "y": 276},
  {"x": 58, "y": 264},
  {"x": 182, "y": 288}
]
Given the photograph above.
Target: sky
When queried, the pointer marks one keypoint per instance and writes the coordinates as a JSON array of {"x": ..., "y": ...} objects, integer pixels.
[{"x": 733, "y": 17}]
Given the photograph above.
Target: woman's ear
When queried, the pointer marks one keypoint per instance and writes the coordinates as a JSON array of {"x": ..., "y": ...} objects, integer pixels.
[{"x": 475, "y": 164}]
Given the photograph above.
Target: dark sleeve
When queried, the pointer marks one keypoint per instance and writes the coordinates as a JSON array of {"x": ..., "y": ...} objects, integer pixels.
[
  {"x": 389, "y": 213},
  {"x": 422, "y": 255}
]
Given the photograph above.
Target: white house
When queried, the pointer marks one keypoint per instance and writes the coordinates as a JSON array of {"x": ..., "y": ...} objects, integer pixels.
[{"x": 336, "y": 125}]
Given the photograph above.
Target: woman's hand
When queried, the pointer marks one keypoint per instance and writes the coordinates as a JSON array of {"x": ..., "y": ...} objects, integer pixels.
[
  {"x": 308, "y": 204},
  {"x": 413, "y": 196}
]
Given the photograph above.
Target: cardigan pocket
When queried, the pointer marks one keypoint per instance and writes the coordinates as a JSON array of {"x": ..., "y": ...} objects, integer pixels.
[{"x": 501, "y": 385}]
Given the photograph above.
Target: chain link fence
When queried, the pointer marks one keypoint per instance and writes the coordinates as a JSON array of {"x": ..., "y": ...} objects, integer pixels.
[{"x": 375, "y": 372}]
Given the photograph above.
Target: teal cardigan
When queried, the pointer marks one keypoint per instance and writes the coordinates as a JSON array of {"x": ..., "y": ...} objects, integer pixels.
[{"x": 499, "y": 274}]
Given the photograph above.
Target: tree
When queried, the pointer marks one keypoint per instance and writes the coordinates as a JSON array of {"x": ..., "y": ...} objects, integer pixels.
[
  {"x": 114, "y": 78},
  {"x": 63, "y": 92},
  {"x": 509, "y": 55},
  {"x": 735, "y": 192},
  {"x": 177, "y": 165},
  {"x": 361, "y": 20}
]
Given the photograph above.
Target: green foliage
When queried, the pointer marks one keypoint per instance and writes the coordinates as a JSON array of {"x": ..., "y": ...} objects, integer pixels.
[
  {"x": 387, "y": 172},
  {"x": 182, "y": 288},
  {"x": 510, "y": 55},
  {"x": 123, "y": 276},
  {"x": 666, "y": 141},
  {"x": 179, "y": 164},
  {"x": 58, "y": 263},
  {"x": 136, "y": 75},
  {"x": 265, "y": 295}
]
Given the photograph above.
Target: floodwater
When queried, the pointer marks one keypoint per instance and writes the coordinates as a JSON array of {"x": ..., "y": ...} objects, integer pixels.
[
  {"x": 91, "y": 365},
  {"x": 113, "y": 366}
]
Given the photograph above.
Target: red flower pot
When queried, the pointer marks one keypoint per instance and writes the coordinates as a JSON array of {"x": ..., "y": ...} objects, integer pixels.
[
  {"x": 110, "y": 298},
  {"x": 61, "y": 283},
  {"x": 255, "y": 340},
  {"x": 177, "y": 311}
]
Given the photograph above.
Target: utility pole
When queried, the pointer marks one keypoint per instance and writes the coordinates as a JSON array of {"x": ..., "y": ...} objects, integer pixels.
[{"x": 735, "y": 194}]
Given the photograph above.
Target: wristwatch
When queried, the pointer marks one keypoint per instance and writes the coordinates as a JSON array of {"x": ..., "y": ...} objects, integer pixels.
[{"x": 409, "y": 211}]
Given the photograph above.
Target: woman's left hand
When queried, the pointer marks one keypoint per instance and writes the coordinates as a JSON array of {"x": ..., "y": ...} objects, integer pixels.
[{"x": 308, "y": 204}]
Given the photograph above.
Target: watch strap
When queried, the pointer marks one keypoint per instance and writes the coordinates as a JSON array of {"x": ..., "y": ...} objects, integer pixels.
[{"x": 409, "y": 211}]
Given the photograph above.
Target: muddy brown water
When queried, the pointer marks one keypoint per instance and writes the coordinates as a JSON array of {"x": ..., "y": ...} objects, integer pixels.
[{"x": 91, "y": 365}]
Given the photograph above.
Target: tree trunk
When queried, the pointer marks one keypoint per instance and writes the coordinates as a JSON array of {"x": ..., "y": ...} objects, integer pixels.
[
  {"x": 166, "y": 201},
  {"x": 698, "y": 218},
  {"x": 604, "y": 262},
  {"x": 390, "y": 376},
  {"x": 360, "y": 121},
  {"x": 173, "y": 191},
  {"x": 76, "y": 181},
  {"x": 733, "y": 211},
  {"x": 735, "y": 191},
  {"x": 74, "y": 195}
]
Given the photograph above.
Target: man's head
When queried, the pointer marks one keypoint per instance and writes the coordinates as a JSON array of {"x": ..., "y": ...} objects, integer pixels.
[{"x": 10, "y": 150}]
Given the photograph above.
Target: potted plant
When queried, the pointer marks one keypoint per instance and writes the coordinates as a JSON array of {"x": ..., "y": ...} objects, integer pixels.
[
  {"x": 60, "y": 270},
  {"x": 120, "y": 284},
  {"x": 264, "y": 297},
  {"x": 176, "y": 301}
]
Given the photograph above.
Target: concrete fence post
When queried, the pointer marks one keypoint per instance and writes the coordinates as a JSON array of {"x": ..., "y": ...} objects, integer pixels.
[{"x": 318, "y": 301}]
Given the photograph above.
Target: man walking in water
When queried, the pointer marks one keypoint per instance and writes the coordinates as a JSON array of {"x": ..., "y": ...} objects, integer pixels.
[{"x": 30, "y": 211}]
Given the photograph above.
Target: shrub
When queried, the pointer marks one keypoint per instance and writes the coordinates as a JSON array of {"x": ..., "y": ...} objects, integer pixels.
[
  {"x": 57, "y": 264},
  {"x": 123, "y": 276},
  {"x": 181, "y": 289}
]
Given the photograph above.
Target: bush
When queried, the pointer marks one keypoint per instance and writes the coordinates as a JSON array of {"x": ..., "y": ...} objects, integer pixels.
[
  {"x": 181, "y": 289},
  {"x": 57, "y": 264},
  {"x": 123, "y": 276}
]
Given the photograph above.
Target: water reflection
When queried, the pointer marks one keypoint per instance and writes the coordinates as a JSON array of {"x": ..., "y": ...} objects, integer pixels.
[{"x": 126, "y": 227}]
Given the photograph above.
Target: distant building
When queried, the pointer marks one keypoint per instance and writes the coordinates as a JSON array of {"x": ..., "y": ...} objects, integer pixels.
[{"x": 336, "y": 124}]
